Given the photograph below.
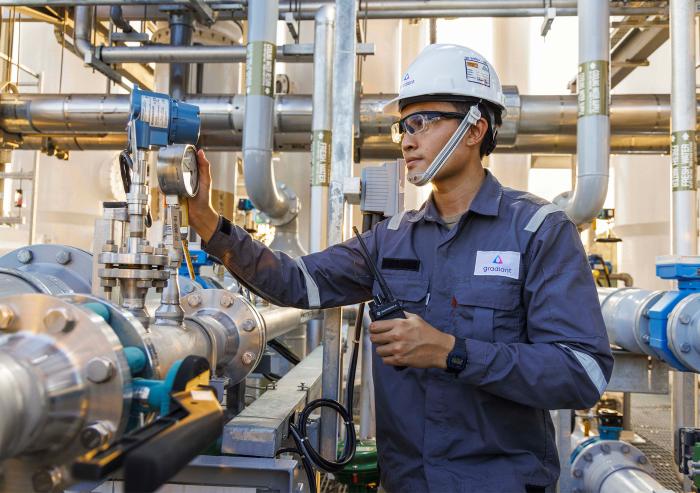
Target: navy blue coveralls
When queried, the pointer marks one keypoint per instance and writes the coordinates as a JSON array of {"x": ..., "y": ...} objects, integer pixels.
[{"x": 512, "y": 279}]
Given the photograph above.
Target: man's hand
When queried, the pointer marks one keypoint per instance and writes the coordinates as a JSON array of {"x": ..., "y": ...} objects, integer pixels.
[
  {"x": 202, "y": 216},
  {"x": 411, "y": 342}
]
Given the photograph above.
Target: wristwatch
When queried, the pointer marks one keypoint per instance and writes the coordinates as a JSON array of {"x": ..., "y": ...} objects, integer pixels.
[{"x": 457, "y": 359}]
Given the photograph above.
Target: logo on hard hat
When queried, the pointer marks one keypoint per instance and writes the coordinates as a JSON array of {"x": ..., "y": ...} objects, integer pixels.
[
  {"x": 407, "y": 81},
  {"x": 477, "y": 71}
]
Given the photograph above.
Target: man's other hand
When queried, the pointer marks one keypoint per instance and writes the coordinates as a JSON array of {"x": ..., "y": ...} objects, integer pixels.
[
  {"x": 202, "y": 216},
  {"x": 411, "y": 342}
]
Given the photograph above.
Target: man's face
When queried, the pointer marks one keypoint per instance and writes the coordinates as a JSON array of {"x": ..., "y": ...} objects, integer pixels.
[{"x": 420, "y": 150}]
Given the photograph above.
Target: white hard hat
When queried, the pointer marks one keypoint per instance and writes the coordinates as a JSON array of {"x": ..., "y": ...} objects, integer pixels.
[{"x": 448, "y": 72}]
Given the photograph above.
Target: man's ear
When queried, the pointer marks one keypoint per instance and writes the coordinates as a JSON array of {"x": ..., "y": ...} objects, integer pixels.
[{"x": 477, "y": 133}]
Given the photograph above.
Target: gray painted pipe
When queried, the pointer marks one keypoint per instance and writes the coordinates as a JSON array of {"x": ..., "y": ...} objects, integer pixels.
[
  {"x": 593, "y": 129},
  {"x": 259, "y": 115}
]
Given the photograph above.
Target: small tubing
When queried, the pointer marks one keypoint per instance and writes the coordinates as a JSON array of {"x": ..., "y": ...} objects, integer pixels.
[{"x": 472, "y": 117}]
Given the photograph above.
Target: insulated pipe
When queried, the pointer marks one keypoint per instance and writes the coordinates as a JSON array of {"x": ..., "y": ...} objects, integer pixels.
[
  {"x": 593, "y": 128},
  {"x": 259, "y": 115},
  {"x": 641, "y": 114},
  {"x": 683, "y": 176},
  {"x": 81, "y": 40},
  {"x": 341, "y": 168}
]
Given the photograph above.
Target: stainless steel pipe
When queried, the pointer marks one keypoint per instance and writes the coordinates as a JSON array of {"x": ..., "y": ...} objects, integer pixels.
[
  {"x": 374, "y": 9},
  {"x": 279, "y": 321},
  {"x": 97, "y": 114}
]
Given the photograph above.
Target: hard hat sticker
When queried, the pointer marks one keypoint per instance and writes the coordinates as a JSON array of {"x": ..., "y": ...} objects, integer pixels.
[{"x": 477, "y": 71}]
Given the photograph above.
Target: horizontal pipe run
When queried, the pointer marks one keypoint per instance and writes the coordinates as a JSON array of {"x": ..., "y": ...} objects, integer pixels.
[
  {"x": 279, "y": 321},
  {"x": 89, "y": 113},
  {"x": 206, "y": 54},
  {"x": 373, "y": 147},
  {"x": 372, "y": 9}
]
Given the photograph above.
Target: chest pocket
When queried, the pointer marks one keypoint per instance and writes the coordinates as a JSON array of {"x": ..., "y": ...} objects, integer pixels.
[
  {"x": 410, "y": 288},
  {"x": 489, "y": 310}
]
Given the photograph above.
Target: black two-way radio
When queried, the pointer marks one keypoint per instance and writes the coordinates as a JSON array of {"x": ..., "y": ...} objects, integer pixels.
[{"x": 384, "y": 306}]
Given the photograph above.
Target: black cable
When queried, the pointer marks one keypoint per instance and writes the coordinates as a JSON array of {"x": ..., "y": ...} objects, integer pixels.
[
  {"x": 309, "y": 456},
  {"x": 284, "y": 351}
]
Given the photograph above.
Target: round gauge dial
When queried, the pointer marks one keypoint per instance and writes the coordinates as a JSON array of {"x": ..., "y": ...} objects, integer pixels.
[
  {"x": 190, "y": 172},
  {"x": 177, "y": 170}
]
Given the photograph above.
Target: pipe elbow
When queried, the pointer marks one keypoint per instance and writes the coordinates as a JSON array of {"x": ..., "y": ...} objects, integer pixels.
[
  {"x": 325, "y": 14},
  {"x": 585, "y": 202}
]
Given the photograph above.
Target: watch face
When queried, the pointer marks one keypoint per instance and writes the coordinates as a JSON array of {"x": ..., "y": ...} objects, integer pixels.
[{"x": 456, "y": 361}]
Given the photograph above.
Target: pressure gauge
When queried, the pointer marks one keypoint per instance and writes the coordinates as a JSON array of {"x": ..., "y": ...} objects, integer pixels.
[{"x": 177, "y": 170}]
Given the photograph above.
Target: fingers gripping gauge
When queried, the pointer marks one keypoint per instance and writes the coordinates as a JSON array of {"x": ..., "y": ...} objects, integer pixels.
[{"x": 177, "y": 170}]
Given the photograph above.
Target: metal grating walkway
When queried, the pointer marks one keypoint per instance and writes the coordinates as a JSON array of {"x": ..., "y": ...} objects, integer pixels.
[{"x": 651, "y": 419}]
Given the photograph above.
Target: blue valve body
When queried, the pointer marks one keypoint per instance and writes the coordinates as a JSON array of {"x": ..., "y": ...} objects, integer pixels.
[
  {"x": 161, "y": 120},
  {"x": 688, "y": 276}
]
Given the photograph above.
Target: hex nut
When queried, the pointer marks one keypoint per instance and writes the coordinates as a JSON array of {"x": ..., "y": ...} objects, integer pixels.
[
  {"x": 95, "y": 435},
  {"x": 625, "y": 449},
  {"x": 248, "y": 358},
  {"x": 63, "y": 257},
  {"x": 99, "y": 370},
  {"x": 6, "y": 317},
  {"x": 226, "y": 301},
  {"x": 588, "y": 457},
  {"x": 46, "y": 480},
  {"x": 605, "y": 448},
  {"x": 684, "y": 319},
  {"x": 578, "y": 473},
  {"x": 59, "y": 320},
  {"x": 248, "y": 324},
  {"x": 685, "y": 347},
  {"x": 25, "y": 255},
  {"x": 642, "y": 459},
  {"x": 194, "y": 300}
]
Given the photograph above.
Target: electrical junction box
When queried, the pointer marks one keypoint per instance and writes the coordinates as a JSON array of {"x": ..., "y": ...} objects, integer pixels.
[{"x": 382, "y": 188}]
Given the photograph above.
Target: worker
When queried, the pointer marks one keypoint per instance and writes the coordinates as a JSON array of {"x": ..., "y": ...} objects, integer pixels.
[{"x": 503, "y": 320}]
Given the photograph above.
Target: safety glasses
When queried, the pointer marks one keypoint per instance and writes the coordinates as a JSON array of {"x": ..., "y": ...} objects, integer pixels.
[{"x": 418, "y": 122}]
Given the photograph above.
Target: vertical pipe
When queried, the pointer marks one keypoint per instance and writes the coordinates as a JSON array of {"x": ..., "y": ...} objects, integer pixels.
[
  {"x": 321, "y": 124},
  {"x": 593, "y": 125},
  {"x": 180, "y": 35},
  {"x": 683, "y": 166},
  {"x": 259, "y": 114},
  {"x": 341, "y": 167}
]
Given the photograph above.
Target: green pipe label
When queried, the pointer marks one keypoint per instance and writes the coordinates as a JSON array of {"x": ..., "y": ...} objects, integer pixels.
[
  {"x": 683, "y": 160},
  {"x": 321, "y": 157},
  {"x": 593, "y": 88},
  {"x": 260, "y": 68}
]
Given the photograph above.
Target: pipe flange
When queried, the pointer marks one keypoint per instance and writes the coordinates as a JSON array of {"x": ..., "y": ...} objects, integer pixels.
[
  {"x": 59, "y": 342},
  {"x": 682, "y": 332},
  {"x": 244, "y": 341},
  {"x": 71, "y": 265},
  {"x": 128, "y": 328},
  {"x": 601, "y": 458},
  {"x": 508, "y": 133},
  {"x": 28, "y": 282},
  {"x": 294, "y": 206},
  {"x": 642, "y": 334}
]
